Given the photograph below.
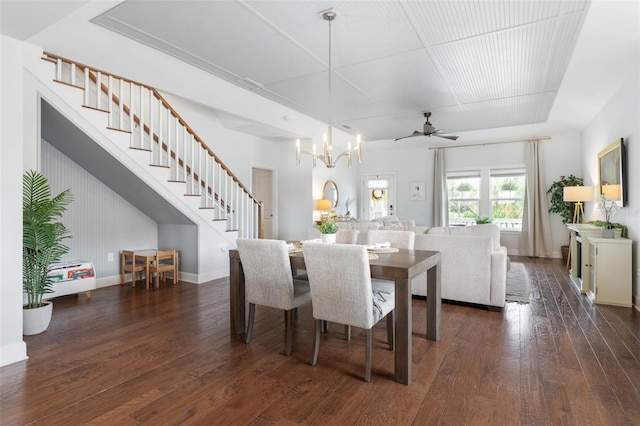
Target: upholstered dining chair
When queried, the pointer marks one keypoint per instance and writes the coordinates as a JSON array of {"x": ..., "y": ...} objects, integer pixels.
[
  {"x": 269, "y": 282},
  {"x": 398, "y": 239},
  {"x": 128, "y": 264},
  {"x": 347, "y": 236},
  {"x": 345, "y": 293},
  {"x": 166, "y": 261}
]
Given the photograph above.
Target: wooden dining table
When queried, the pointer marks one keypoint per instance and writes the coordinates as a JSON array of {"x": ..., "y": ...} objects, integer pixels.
[{"x": 400, "y": 267}]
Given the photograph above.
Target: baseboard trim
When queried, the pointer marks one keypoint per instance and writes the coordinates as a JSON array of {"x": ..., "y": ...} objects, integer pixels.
[{"x": 13, "y": 353}]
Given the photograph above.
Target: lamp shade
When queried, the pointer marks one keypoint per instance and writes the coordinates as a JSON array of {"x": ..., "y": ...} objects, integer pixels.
[
  {"x": 612, "y": 192},
  {"x": 323, "y": 205},
  {"x": 577, "y": 193}
]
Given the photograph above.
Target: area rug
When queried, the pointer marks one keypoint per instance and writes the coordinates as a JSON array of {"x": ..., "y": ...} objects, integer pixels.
[{"x": 518, "y": 284}]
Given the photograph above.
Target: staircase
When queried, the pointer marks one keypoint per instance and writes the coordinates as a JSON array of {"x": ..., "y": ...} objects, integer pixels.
[{"x": 155, "y": 128}]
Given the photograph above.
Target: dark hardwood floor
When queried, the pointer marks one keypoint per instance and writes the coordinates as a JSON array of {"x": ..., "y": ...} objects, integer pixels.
[{"x": 131, "y": 356}]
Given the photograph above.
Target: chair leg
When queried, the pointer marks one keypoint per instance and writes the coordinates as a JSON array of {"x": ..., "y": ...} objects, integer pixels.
[
  {"x": 367, "y": 364},
  {"x": 316, "y": 341},
  {"x": 288, "y": 325},
  {"x": 391, "y": 323},
  {"x": 252, "y": 314},
  {"x": 347, "y": 332}
]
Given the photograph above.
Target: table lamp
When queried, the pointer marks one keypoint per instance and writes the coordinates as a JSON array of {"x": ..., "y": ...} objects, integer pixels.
[
  {"x": 324, "y": 206},
  {"x": 577, "y": 194}
]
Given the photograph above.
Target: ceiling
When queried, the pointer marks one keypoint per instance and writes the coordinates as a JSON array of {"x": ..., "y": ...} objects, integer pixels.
[{"x": 474, "y": 64}]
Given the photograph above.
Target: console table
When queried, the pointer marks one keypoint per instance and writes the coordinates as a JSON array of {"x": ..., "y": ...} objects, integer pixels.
[{"x": 600, "y": 267}]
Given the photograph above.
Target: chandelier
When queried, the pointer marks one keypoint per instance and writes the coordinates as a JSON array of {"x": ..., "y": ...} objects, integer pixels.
[{"x": 327, "y": 139}]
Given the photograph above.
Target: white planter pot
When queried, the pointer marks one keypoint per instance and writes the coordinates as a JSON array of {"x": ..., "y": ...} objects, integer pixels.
[
  {"x": 35, "y": 321},
  {"x": 329, "y": 238}
]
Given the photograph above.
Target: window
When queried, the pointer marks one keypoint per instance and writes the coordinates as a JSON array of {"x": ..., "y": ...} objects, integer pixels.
[
  {"x": 464, "y": 197},
  {"x": 495, "y": 193}
]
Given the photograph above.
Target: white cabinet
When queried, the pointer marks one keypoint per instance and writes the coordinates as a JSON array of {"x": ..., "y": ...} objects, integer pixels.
[
  {"x": 610, "y": 271},
  {"x": 579, "y": 251}
]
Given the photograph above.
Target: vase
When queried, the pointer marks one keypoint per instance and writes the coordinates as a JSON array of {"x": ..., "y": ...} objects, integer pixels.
[
  {"x": 36, "y": 320},
  {"x": 329, "y": 238},
  {"x": 608, "y": 233}
]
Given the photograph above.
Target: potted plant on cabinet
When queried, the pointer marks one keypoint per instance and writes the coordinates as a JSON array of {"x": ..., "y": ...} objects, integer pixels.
[
  {"x": 561, "y": 207},
  {"x": 42, "y": 245},
  {"x": 328, "y": 229}
]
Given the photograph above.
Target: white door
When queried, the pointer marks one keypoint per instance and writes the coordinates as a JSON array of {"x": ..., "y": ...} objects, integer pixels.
[
  {"x": 262, "y": 180},
  {"x": 378, "y": 195}
]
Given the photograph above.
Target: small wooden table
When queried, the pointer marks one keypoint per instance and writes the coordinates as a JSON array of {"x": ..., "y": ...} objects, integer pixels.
[{"x": 400, "y": 267}]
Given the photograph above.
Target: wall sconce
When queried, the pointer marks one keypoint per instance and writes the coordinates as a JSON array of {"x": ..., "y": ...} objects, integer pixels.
[{"x": 577, "y": 194}]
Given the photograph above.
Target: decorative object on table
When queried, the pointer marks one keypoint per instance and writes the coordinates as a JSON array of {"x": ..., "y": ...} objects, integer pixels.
[
  {"x": 327, "y": 141},
  {"x": 609, "y": 208},
  {"x": 328, "y": 229},
  {"x": 612, "y": 172},
  {"x": 558, "y": 204},
  {"x": 480, "y": 220},
  {"x": 324, "y": 206},
  {"x": 417, "y": 192},
  {"x": 624, "y": 231},
  {"x": 42, "y": 246}
]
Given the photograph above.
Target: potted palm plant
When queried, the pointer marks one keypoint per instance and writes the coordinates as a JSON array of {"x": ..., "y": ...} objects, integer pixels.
[{"x": 42, "y": 245}]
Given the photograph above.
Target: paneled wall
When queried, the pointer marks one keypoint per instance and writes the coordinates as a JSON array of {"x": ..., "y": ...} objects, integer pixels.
[{"x": 100, "y": 221}]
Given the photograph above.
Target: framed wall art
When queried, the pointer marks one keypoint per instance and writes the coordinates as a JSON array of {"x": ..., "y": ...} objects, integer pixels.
[{"x": 417, "y": 191}]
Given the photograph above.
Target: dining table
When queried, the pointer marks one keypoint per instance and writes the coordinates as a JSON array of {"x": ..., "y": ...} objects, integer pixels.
[{"x": 401, "y": 267}]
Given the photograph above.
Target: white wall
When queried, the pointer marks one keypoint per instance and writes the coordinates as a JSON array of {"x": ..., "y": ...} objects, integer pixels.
[
  {"x": 12, "y": 347},
  {"x": 618, "y": 119}
]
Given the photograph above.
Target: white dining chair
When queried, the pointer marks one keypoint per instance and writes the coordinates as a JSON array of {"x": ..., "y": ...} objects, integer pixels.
[
  {"x": 343, "y": 292},
  {"x": 398, "y": 239},
  {"x": 347, "y": 236},
  {"x": 269, "y": 282}
]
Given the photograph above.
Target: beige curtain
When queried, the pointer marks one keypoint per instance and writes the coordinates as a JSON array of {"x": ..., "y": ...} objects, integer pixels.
[
  {"x": 440, "y": 196},
  {"x": 536, "y": 228}
]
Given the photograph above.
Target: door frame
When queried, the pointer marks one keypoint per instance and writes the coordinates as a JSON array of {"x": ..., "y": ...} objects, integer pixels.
[
  {"x": 274, "y": 194},
  {"x": 364, "y": 199}
]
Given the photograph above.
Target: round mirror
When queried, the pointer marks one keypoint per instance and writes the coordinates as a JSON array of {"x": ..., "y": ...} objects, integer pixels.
[{"x": 330, "y": 192}]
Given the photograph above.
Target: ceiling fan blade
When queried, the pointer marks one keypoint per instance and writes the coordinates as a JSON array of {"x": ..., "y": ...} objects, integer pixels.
[
  {"x": 415, "y": 133},
  {"x": 451, "y": 137}
]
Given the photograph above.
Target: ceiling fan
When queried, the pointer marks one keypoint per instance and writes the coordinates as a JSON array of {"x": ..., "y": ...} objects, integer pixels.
[{"x": 429, "y": 130}]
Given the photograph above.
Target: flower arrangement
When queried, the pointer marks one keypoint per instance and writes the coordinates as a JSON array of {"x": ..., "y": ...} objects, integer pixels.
[
  {"x": 609, "y": 208},
  {"x": 328, "y": 227}
]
